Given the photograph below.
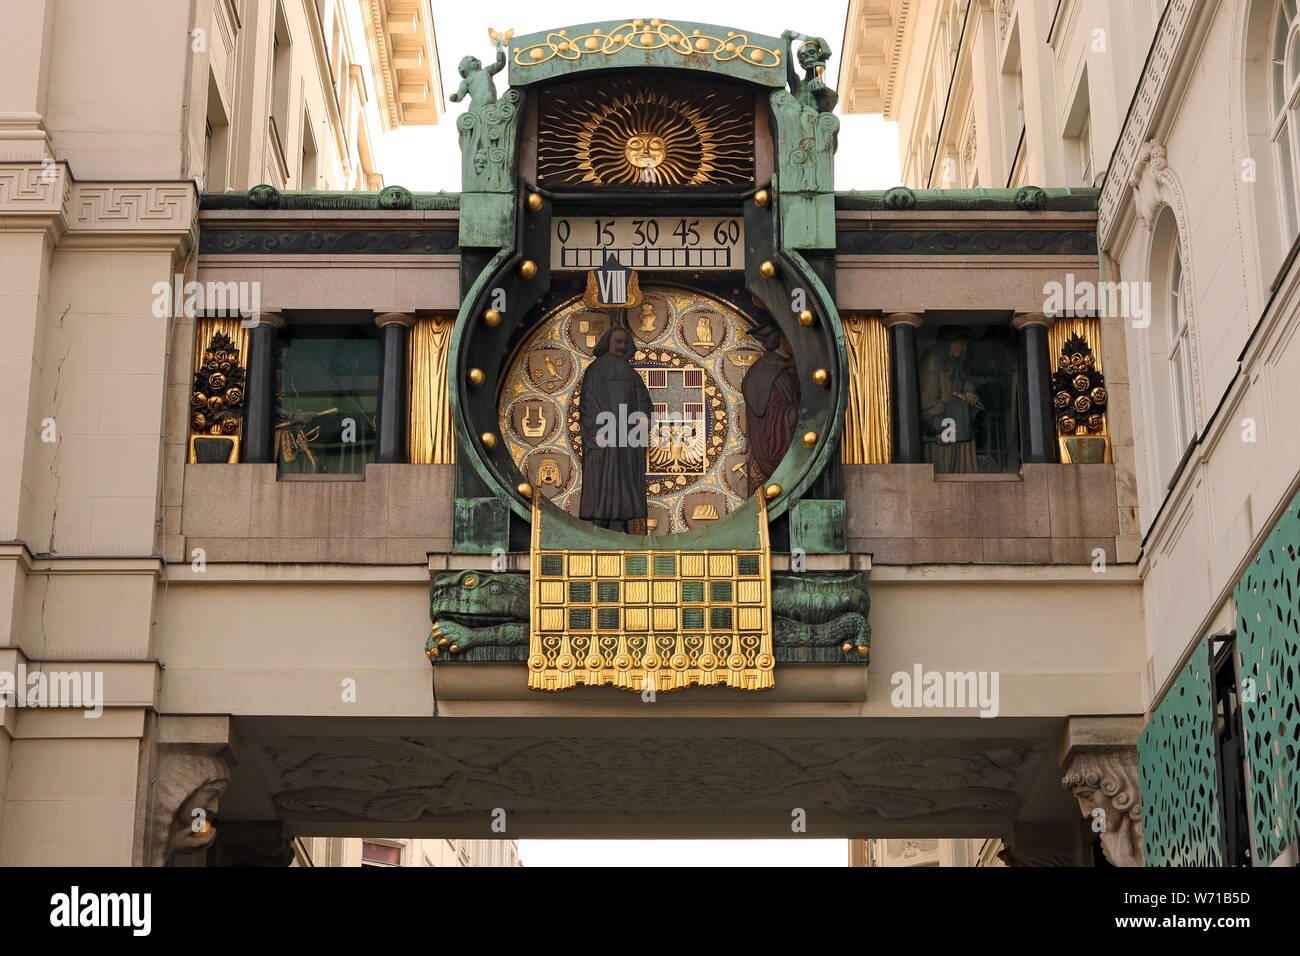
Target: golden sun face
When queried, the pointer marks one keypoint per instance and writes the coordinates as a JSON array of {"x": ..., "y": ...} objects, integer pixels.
[
  {"x": 645, "y": 151},
  {"x": 625, "y": 135}
]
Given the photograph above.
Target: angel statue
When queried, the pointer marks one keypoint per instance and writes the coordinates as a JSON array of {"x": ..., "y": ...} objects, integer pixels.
[{"x": 477, "y": 82}]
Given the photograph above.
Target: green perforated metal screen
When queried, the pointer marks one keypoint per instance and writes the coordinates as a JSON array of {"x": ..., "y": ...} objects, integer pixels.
[
  {"x": 1180, "y": 803},
  {"x": 1268, "y": 639}
]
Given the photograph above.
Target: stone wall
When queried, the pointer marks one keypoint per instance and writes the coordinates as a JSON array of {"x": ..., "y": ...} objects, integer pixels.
[
  {"x": 1048, "y": 514},
  {"x": 397, "y": 515}
]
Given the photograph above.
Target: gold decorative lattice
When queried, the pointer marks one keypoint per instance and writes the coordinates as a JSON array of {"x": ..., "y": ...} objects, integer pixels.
[
  {"x": 642, "y": 618},
  {"x": 624, "y": 134},
  {"x": 652, "y": 34}
]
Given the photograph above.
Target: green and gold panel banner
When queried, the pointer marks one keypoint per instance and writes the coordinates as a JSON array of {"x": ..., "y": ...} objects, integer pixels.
[{"x": 650, "y": 618}]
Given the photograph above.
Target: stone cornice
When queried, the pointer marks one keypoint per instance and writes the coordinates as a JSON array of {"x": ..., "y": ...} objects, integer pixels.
[
  {"x": 1171, "y": 36},
  {"x": 46, "y": 198},
  {"x": 868, "y": 80},
  {"x": 35, "y": 197}
]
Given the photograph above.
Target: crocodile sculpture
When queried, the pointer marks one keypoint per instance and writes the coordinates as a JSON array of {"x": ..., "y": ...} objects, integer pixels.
[{"x": 484, "y": 616}]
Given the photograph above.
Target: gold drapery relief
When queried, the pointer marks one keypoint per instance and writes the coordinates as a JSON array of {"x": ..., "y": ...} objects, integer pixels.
[
  {"x": 430, "y": 439},
  {"x": 867, "y": 438}
]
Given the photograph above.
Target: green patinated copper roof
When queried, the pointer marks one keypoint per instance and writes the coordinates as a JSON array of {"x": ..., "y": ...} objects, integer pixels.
[
  {"x": 317, "y": 199},
  {"x": 623, "y": 44},
  {"x": 1024, "y": 199}
]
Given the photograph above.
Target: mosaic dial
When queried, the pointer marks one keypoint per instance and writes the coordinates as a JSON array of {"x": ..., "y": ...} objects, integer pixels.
[{"x": 691, "y": 350}]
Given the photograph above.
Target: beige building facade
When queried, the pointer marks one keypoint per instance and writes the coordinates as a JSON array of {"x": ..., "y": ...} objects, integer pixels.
[
  {"x": 939, "y": 853},
  {"x": 259, "y": 626},
  {"x": 346, "y": 852},
  {"x": 1184, "y": 110},
  {"x": 112, "y": 118},
  {"x": 998, "y": 93}
]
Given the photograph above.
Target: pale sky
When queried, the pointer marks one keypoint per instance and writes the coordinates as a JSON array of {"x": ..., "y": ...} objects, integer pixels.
[
  {"x": 428, "y": 157},
  {"x": 789, "y": 852}
]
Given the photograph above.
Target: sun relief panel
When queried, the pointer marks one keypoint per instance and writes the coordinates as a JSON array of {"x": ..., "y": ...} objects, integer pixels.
[{"x": 625, "y": 134}]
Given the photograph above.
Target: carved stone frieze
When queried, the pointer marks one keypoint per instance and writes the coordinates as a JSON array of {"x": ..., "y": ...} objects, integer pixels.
[
  {"x": 46, "y": 194},
  {"x": 401, "y": 780}
]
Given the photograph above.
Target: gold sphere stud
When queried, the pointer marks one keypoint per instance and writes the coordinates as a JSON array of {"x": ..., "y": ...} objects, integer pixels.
[
  {"x": 489, "y": 440},
  {"x": 767, "y": 269},
  {"x": 863, "y": 652},
  {"x": 443, "y": 642},
  {"x": 762, "y": 197},
  {"x": 821, "y": 377},
  {"x": 432, "y": 652},
  {"x": 806, "y": 317},
  {"x": 491, "y": 318},
  {"x": 476, "y": 377},
  {"x": 525, "y": 489},
  {"x": 810, "y": 439},
  {"x": 455, "y": 648},
  {"x": 847, "y": 648},
  {"x": 528, "y": 268},
  {"x": 535, "y": 202},
  {"x": 772, "y": 491}
]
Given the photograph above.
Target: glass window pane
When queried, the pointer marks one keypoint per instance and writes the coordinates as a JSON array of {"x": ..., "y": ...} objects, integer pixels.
[
  {"x": 969, "y": 399},
  {"x": 327, "y": 394},
  {"x": 1184, "y": 406},
  {"x": 1286, "y": 180},
  {"x": 379, "y": 853}
]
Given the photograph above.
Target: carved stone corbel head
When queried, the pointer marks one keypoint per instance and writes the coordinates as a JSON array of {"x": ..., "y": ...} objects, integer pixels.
[
  {"x": 189, "y": 778},
  {"x": 1107, "y": 780},
  {"x": 1148, "y": 189}
]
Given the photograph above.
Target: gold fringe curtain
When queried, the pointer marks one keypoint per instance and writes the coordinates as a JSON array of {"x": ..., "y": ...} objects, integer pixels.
[
  {"x": 867, "y": 437},
  {"x": 430, "y": 440}
]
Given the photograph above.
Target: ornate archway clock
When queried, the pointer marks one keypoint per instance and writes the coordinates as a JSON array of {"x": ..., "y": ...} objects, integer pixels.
[{"x": 654, "y": 191}]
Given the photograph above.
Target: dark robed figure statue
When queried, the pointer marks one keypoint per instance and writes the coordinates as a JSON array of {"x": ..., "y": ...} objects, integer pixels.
[
  {"x": 614, "y": 435},
  {"x": 771, "y": 393}
]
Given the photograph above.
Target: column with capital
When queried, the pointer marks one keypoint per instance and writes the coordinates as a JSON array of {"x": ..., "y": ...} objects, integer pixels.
[
  {"x": 1037, "y": 425},
  {"x": 395, "y": 332},
  {"x": 905, "y": 409},
  {"x": 259, "y": 413}
]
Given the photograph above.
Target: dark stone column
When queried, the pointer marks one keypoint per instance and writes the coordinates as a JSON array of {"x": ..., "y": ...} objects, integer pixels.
[
  {"x": 259, "y": 406},
  {"x": 905, "y": 406},
  {"x": 1037, "y": 426},
  {"x": 395, "y": 330}
]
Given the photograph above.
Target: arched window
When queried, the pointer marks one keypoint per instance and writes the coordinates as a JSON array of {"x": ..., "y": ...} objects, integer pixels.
[{"x": 1284, "y": 80}]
